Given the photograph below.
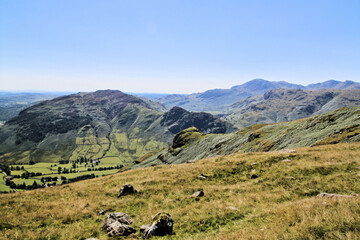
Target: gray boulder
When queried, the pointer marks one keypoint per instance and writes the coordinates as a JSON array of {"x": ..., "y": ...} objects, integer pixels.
[
  {"x": 162, "y": 224},
  {"x": 126, "y": 190},
  {"x": 117, "y": 224},
  {"x": 116, "y": 229},
  {"x": 199, "y": 193}
]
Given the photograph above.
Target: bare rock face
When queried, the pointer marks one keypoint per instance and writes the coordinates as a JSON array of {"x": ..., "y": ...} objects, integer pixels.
[
  {"x": 126, "y": 190},
  {"x": 162, "y": 225},
  {"x": 333, "y": 195}
]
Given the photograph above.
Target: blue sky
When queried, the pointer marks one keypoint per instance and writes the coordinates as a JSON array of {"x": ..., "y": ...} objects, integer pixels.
[{"x": 175, "y": 46}]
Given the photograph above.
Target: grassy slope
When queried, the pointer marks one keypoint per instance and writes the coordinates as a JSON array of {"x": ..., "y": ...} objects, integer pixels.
[
  {"x": 342, "y": 125},
  {"x": 280, "y": 204}
]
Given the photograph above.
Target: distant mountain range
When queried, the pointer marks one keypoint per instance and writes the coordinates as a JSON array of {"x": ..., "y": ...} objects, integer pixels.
[
  {"x": 11, "y": 103},
  {"x": 281, "y": 105},
  {"x": 217, "y": 100},
  {"x": 104, "y": 124}
]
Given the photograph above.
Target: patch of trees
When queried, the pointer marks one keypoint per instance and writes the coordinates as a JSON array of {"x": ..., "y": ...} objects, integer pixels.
[
  {"x": 27, "y": 175},
  {"x": 17, "y": 168},
  {"x": 79, "y": 178},
  {"x": 5, "y": 168},
  {"x": 105, "y": 168},
  {"x": 13, "y": 185}
]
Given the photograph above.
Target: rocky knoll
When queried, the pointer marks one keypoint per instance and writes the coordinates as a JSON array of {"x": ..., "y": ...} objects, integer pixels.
[
  {"x": 102, "y": 124},
  {"x": 342, "y": 125}
]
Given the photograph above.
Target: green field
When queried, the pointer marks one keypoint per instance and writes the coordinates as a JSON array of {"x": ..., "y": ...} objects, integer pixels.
[
  {"x": 3, "y": 187},
  {"x": 52, "y": 170}
]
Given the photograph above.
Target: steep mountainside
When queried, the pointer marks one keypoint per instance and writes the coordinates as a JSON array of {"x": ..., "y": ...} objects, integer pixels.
[
  {"x": 217, "y": 100},
  {"x": 280, "y": 105},
  {"x": 342, "y": 125},
  {"x": 104, "y": 124}
]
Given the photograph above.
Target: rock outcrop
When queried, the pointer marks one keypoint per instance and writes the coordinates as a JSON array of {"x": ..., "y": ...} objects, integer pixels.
[
  {"x": 117, "y": 224},
  {"x": 162, "y": 224},
  {"x": 126, "y": 190}
]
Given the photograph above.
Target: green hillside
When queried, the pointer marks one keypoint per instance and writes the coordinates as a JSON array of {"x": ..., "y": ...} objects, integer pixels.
[
  {"x": 281, "y": 203},
  {"x": 105, "y": 124},
  {"x": 342, "y": 125}
]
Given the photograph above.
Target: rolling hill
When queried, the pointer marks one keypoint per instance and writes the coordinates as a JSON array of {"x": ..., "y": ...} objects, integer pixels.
[{"x": 103, "y": 124}]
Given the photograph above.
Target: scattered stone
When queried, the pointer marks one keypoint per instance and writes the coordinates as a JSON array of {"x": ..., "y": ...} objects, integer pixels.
[
  {"x": 287, "y": 151},
  {"x": 190, "y": 161},
  {"x": 92, "y": 239},
  {"x": 286, "y": 160},
  {"x": 253, "y": 176},
  {"x": 143, "y": 228},
  {"x": 118, "y": 229},
  {"x": 117, "y": 224},
  {"x": 333, "y": 195},
  {"x": 291, "y": 178},
  {"x": 199, "y": 193},
  {"x": 253, "y": 170},
  {"x": 202, "y": 177},
  {"x": 162, "y": 224},
  {"x": 126, "y": 190},
  {"x": 102, "y": 212},
  {"x": 116, "y": 217},
  {"x": 232, "y": 208}
]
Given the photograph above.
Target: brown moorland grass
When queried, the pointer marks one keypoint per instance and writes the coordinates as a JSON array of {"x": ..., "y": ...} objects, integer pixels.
[{"x": 280, "y": 204}]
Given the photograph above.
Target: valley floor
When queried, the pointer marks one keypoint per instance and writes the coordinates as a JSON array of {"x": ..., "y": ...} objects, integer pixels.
[{"x": 281, "y": 203}]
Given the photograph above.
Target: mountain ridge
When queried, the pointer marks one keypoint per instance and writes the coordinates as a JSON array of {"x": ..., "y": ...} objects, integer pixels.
[{"x": 216, "y": 100}]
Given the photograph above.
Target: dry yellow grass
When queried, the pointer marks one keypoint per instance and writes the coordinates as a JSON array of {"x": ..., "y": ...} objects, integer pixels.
[{"x": 280, "y": 204}]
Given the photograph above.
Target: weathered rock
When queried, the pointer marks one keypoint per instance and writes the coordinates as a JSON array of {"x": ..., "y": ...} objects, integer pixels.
[
  {"x": 202, "y": 176},
  {"x": 143, "y": 228},
  {"x": 333, "y": 195},
  {"x": 162, "y": 224},
  {"x": 287, "y": 151},
  {"x": 286, "y": 160},
  {"x": 126, "y": 190},
  {"x": 117, "y": 224},
  {"x": 253, "y": 176},
  {"x": 119, "y": 229},
  {"x": 116, "y": 217},
  {"x": 232, "y": 208},
  {"x": 92, "y": 239},
  {"x": 102, "y": 212},
  {"x": 199, "y": 193}
]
